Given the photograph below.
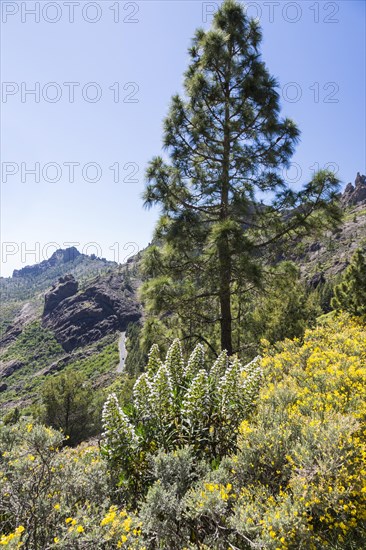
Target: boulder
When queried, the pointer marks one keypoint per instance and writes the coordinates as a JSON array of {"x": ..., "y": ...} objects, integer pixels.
[{"x": 8, "y": 368}]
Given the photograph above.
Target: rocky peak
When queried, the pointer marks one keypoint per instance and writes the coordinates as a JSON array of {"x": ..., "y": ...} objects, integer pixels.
[
  {"x": 360, "y": 180},
  {"x": 61, "y": 256},
  {"x": 355, "y": 194}
]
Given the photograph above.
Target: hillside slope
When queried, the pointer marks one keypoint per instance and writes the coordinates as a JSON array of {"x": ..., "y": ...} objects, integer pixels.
[
  {"x": 323, "y": 258},
  {"x": 74, "y": 324}
]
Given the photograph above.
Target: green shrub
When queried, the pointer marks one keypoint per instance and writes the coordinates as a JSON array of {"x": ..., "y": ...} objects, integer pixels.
[
  {"x": 293, "y": 478},
  {"x": 68, "y": 404},
  {"x": 52, "y": 497},
  {"x": 298, "y": 479},
  {"x": 350, "y": 293}
]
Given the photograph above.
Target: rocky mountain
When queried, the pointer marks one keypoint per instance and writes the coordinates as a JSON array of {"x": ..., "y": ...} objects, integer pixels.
[
  {"x": 324, "y": 258},
  {"x": 74, "y": 322},
  {"x": 80, "y": 318},
  {"x": 59, "y": 257},
  {"x": 27, "y": 281}
]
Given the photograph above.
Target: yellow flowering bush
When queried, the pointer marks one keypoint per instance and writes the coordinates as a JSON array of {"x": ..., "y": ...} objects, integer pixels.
[
  {"x": 300, "y": 473},
  {"x": 58, "y": 497},
  {"x": 122, "y": 528},
  {"x": 13, "y": 540},
  {"x": 298, "y": 479},
  {"x": 43, "y": 484}
]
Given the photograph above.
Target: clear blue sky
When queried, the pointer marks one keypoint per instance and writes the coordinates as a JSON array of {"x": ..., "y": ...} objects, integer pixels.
[{"x": 317, "y": 45}]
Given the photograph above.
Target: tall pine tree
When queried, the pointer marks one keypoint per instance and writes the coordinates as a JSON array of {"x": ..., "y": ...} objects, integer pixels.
[{"x": 227, "y": 148}]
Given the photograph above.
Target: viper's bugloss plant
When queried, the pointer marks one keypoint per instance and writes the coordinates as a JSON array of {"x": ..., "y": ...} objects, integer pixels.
[{"x": 178, "y": 404}]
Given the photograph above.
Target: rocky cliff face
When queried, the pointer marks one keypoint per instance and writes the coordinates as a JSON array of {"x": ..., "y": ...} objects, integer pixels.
[
  {"x": 65, "y": 288},
  {"x": 79, "y": 318},
  {"x": 322, "y": 260},
  {"x": 355, "y": 194}
]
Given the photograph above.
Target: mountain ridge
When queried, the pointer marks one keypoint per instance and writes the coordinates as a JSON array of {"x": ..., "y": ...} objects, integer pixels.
[{"x": 60, "y": 256}]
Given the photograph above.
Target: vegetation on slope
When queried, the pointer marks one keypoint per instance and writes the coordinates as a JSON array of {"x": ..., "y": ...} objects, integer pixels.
[
  {"x": 34, "y": 346},
  {"x": 36, "y": 349},
  {"x": 24, "y": 287},
  {"x": 204, "y": 450},
  {"x": 350, "y": 294},
  {"x": 295, "y": 480}
]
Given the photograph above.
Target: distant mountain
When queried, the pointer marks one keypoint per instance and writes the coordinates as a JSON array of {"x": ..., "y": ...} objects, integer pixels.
[
  {"x": 26, "y": 281},
  {"x": 59, "y": 257},
  {"x": 65, "y": 312}
]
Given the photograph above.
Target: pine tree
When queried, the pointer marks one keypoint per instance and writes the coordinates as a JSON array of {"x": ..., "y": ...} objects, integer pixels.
[
  {"x": 350, "y": 294},
  {"x": 67, "y": 404},
  {"x": 227, "y": 147}
]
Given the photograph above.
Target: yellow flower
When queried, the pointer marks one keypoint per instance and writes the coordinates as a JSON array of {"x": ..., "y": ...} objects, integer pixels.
[
  {"x": 80, "y": 529},
  {"x": 57, "y": 506},
  {"x": 110, "y": 517},
  {"x": 127, "y": 524},
  {"x": 5, "y": 539}
]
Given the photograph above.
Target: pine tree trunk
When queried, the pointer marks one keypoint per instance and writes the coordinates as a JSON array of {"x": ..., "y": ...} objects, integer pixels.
[
  {"x": 225, "y": 297},
  {"x": 223, "y": 248}
]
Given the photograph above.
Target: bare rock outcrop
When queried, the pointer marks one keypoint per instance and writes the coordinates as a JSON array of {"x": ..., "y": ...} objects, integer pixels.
[
  {"x": 78, "y": 318},
  {"x": 355, "y": 194},
  {"x": 8, "y": 368},
  {"x": 65, "y": 288}
]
